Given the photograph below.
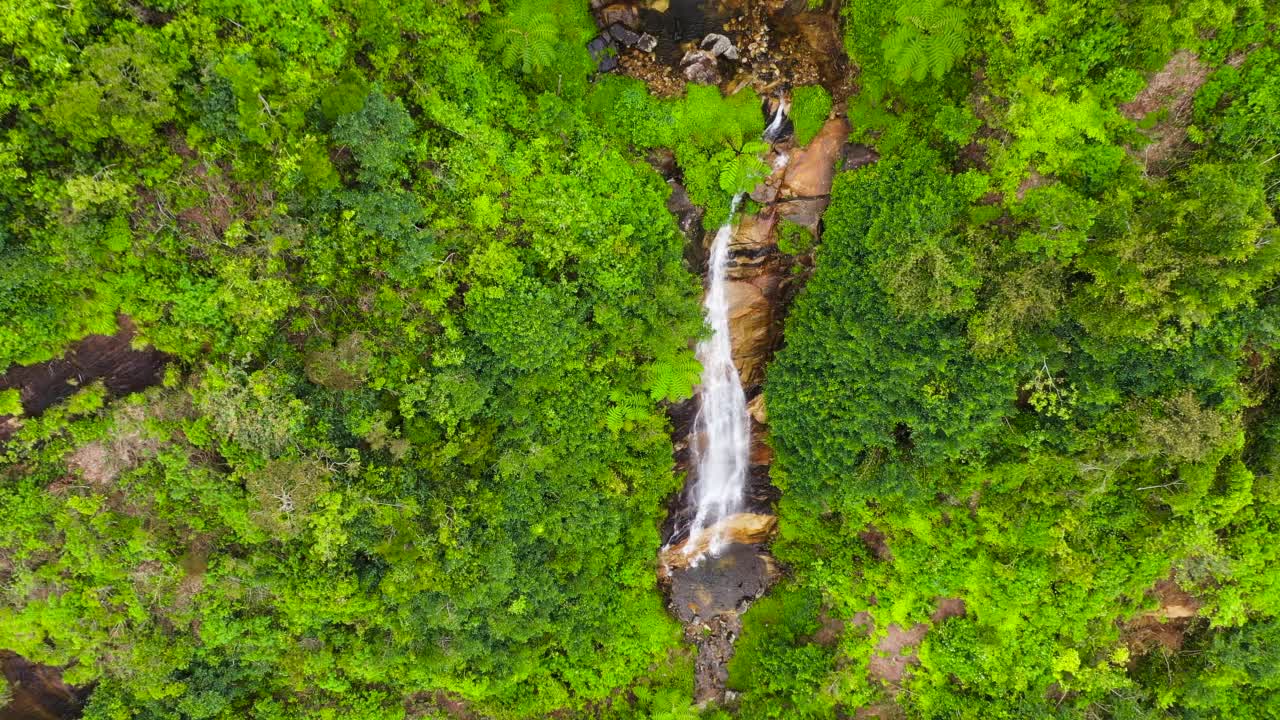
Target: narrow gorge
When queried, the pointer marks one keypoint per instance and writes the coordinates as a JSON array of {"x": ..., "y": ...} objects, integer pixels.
[{"x": 715, "y": 561}]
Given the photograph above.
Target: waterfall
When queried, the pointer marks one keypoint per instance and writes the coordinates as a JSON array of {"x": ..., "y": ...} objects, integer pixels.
[
  {"x": 722, "y": 430},
  {"x": 771, "y": 132}
]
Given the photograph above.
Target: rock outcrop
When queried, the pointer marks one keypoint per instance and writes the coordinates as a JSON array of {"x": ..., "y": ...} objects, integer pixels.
[
  {"x": 762, "y": 279},
  {"x": 741, "y": 529},
  {"x": 709, "y": 596}
]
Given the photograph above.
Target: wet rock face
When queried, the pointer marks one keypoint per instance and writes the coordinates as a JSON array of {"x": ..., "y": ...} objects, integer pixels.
[
  {"x": 38, "y": 691},
  {"x": 109, "y": 358},
  {"x": 727, "y": 583},
  {"x": 740, "y": 530},
  {"x": 813, "y": 168},
  {"x": 709, "y": 600},
  {"x": 710, "y": 597}
]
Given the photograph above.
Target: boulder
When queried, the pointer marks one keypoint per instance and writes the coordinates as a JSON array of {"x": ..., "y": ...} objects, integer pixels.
[
  {"x": 646, "y": 43},
  {"x": 805, "y": 212},
  {"x": 688, "y": 216},
  {"x": 664, "y": 161},
  {"x": 700, "y": 67},
  {"x": 718, "y": 45},
  {"x": 813, "y": 167},
  {"x": 857, "y": 155},
  {"x": 604, "y": 52},
  {"x": 619, "y": 13},
  {"x": 752, "y": 234},
  {"x": 624, "y": 35}
]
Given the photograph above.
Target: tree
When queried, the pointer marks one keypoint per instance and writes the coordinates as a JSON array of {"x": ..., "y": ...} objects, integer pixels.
[
  {"x": 128, "y": 83},
  {"x": 526, "y": 37},
  {"x": 380, "y": 136},
  {"x": 930, "y": 38}
]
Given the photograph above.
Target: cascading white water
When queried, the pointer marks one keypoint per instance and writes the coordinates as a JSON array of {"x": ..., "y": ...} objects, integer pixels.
[
  {"x": 722, "y": 431},
  {"x": 723, "y": 426},
  {"x": 771, "y": 132}
]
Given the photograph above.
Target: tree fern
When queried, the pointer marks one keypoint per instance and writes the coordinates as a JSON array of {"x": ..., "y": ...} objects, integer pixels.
[
  {"x": 673, "y": 378},
  {"x": 527, "y": 37},
  {"x": 742, "y": 171},
  {"x": 930, "y": 37},
  {"x": 627, "y": 409}
]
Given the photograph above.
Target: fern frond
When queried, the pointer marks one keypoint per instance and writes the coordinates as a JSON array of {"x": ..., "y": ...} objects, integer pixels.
[
  {"x": 930, "y": 38},
  {"x": 673, "y": 378},
  {"x": 741, "y": 173},
  {"x": 615, "y": 418},
  {"x": 528, "y": 37}
]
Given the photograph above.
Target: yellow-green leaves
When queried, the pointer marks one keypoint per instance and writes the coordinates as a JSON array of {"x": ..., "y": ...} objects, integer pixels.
[{"x": 930, "y": 37}]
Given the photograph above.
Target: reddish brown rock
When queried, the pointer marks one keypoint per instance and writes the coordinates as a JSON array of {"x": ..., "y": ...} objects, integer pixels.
[
  {"x": 737, "y": 529},
  {"x": 813, "y": 167},
  {"x": 805, "y": 212},
  {"x": 761, "y": 452},
  {"x": 757, "y": 409},
  {"x": 751, "y": 326}
]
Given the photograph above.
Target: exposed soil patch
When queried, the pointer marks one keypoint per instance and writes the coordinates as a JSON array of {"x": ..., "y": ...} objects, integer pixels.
[
  {"x": 897, "y": 651},
  {"x": 38, "y": 691},
  {"x": 431, "y": 704},
  {"x": 1164, "y": 628},
  {"x": 1163, "y": 108},
  {"x": 1032, "y": 181},
  {"x": 948, "y": 608},
  {"x": 879, "y": 711},
  {"x": 101, "y": 461},
  {"x": 830, "y": 630},
  {"x": 109, "y": 358},
  {"x": 875, "y": 542}
]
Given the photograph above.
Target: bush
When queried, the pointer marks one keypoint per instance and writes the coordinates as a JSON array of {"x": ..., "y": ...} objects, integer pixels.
[{"x": 810, "y": 106}]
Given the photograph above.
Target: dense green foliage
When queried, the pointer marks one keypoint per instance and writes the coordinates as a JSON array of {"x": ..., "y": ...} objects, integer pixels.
[
  {"x": 423, "y": 312},
  {"x": 810, "y": 106},
  {"x": 715, "y": 139},
  {"x": 1037, "y": 361},
  {"x": 425, "y": 305}
]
